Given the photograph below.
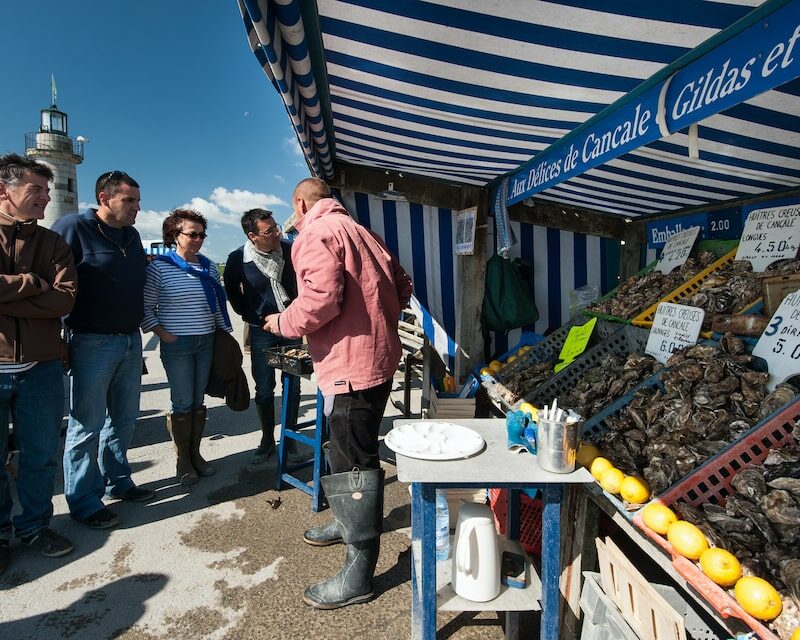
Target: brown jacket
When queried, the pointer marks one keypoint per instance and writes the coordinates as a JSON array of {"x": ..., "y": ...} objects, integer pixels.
[{"x": 30, "y": 327}]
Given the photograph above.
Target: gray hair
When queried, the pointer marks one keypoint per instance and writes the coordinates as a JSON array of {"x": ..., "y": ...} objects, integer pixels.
[{"x": 13, "y": 168}]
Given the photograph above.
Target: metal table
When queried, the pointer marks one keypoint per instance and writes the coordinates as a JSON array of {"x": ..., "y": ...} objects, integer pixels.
[{"x": 494, "y": 467}]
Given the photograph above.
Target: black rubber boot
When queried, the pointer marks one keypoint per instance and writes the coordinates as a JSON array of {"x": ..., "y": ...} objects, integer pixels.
[
  {"x": 179, "y": 426},
  {"x": 356, "y": 500},
  {"x": 198, "y": 426},
  {"x": 266, "y": 419},
  {"x": 323, "y": 536}
]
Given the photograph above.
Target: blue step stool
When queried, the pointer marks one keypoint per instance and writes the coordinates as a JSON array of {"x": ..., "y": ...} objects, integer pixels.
[{"x": 289, "y": 429}]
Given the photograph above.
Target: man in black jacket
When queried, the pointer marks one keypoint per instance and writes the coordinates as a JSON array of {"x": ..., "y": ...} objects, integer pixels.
[{"x": 260, "y": 280}]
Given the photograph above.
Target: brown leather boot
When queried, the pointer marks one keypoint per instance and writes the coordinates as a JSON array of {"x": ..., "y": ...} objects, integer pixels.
[
  {"x": 198, "y": 425},
  {"x": 179, "y": 426}
]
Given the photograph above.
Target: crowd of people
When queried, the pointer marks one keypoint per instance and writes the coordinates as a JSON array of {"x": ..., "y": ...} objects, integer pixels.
[{"x": 74, "y": 300}]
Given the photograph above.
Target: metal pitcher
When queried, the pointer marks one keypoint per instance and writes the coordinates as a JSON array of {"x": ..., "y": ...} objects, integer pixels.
[{"x": 557, "y": 445}]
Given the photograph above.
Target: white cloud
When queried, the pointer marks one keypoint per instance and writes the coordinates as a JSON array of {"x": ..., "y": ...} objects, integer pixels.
[
  {"x": 148, "y": 223},
  {"x": 292, "y": 143},
  {"x": 240, "y": 201},
  {"x": 280, "y": 179}
]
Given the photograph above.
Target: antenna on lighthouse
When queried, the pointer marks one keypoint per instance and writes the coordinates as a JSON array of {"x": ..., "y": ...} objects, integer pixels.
[{"x": 53, "y": 91}]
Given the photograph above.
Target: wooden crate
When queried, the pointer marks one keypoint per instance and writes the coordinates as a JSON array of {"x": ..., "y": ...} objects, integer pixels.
[
  {"x": 451, "y": 408},
  {"x": 644, "y": 609}
]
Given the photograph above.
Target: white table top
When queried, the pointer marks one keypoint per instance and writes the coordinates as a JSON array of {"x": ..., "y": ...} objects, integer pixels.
[{"x": 494, "y": 465}]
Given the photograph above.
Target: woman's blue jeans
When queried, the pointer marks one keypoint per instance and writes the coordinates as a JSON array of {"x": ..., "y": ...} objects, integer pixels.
[
  {"x": 187, "y": 362},
  {"x": 34, "y": 400}
]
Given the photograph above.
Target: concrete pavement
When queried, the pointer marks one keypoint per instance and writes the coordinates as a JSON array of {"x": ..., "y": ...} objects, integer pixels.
[{"x": 222, "y": 559}]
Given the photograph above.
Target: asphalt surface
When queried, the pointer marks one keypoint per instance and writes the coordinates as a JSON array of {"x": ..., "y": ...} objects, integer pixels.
[{"x": 222, "y": 559}]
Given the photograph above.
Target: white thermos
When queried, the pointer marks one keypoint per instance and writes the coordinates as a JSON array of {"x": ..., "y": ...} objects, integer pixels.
[{"x": 476, "y": 554}]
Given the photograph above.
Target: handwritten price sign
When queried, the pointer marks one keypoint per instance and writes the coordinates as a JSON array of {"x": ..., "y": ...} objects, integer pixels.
[
  {"x": 677, "y": 249},
  {"x": 769, "y": 235},
  {"x": 575, "y": 344},
  {"x": 674, "y": 327},
  {"x": 779, "y": 345}
]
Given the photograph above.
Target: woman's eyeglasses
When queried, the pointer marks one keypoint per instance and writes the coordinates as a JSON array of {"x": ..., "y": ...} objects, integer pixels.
[{"x": 194, "y": 235}]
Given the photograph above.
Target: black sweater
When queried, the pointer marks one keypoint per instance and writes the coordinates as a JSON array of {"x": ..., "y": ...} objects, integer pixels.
[{"x": 249, "y": 290}]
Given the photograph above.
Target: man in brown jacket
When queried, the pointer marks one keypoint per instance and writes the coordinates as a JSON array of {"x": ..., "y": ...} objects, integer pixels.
[{"x": 37, "y": 287}]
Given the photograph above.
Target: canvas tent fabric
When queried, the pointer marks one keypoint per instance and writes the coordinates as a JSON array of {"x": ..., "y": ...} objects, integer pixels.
[{"x": 466, "y": 91}]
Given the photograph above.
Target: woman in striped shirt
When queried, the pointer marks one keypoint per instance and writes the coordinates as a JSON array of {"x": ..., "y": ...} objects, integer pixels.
[{"x": 184, "y": 303}]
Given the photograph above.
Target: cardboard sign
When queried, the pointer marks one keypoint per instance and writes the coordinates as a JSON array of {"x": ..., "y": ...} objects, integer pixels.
[
  {"x": 779, "y": 345},
  {"x": 675, "y": 326},
  {"x": 575, "y": 344},
  {"x": 677, "y": 249},
  {"x": 769, "y": 235}
]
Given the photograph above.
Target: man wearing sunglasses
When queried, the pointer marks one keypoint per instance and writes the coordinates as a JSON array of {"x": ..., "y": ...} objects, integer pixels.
[
  {"x": 259, "y": 281},
  {"x": 105, "y": 350}
]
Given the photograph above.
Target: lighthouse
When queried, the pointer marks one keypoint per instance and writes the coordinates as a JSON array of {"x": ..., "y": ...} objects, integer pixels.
[{"x": 51, "y": 145}]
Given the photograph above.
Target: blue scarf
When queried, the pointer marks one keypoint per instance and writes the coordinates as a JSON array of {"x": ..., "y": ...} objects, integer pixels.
[{"x": 215, "y": 294}]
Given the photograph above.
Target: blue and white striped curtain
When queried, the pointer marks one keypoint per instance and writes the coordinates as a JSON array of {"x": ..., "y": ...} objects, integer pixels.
[{"x": 423, "y": 238}]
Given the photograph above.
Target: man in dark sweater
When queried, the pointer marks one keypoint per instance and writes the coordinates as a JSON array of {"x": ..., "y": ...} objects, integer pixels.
[
  {"x": 259, "y": 280},
  {"x": 105, "y": 349}
]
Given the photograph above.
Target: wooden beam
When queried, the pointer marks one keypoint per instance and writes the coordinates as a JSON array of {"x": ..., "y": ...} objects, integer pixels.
[
  {"x": 578, "y": 220},
  {"x": 470, "y": 281},
  {"x": 772, "y": 195},
  {"x": 420, "y": 189}
]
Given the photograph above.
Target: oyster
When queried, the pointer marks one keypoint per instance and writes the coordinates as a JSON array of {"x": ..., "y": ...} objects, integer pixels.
[{"x": 781, "y": 508}]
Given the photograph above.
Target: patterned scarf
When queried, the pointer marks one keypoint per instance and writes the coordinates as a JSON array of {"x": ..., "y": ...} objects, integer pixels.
[
  {"x": 271, "y": 265},
  {"x": 215, "y": 294}
]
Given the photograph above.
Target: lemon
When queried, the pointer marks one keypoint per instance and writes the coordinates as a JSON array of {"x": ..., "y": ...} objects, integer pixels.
[
  {"x": 527, "y": 407},
  {"x": 486, "y": 371},
  {"x": 658, "y": 517},
  {"x": 524, "y": 349},
  {"x": 795, "y": 634},
  {"x": 721, "y": 566},
  {"x": 611, "y": 480},
  {"x": 687, "y": 539},
  {"x": 758, "y": 597},
  {"x": 586, "y": 454},
  {"x": 634, "y": 490},
  {"x": 511, "y": 359},
  {"x": 495, "y": 366},
  {"x": 599, "y": 466}
]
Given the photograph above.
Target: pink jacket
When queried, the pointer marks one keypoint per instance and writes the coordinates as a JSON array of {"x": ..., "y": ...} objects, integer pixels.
[{"x": 351, "y": 290}]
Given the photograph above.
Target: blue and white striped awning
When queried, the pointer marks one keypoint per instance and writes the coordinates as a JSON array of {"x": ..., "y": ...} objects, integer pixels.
[{"x": 468, "y": 90}]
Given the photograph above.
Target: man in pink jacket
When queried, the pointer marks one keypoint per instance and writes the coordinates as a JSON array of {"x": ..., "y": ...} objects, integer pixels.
[{"x": 351, "y": 290}]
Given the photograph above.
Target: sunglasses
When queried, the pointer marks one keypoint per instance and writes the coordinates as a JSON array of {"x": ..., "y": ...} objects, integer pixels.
[
  {"x": 113, "y": 175},
  {"x": 269, "y": 232},
  {"x": 194, "y": 235}
]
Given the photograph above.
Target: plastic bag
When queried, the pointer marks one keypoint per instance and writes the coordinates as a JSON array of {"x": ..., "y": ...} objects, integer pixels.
[{"x": 581, "y": 298}]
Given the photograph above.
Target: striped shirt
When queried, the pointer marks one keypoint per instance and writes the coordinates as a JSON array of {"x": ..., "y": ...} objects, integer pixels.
[
  {"x": 16, "y": 367},
  {"x": 175, "y": 300}
]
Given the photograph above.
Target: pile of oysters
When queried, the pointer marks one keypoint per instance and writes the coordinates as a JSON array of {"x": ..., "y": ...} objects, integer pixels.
[
  {"x": 638, "y": 293},
  {"x": 760, "y": 524},
  {"x": 708, "y": 397}
]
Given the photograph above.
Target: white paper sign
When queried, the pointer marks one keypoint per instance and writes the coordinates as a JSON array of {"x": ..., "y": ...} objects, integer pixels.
[
  {"x": 465, "y": 231},
  {"x": 769, "y": 235},
  {"x": 779, "y": 345},
  {"x": 675, "y": 326},
  {"x": 677, "y": 249}
]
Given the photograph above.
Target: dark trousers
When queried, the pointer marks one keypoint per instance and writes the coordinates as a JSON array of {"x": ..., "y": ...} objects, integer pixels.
[{"x": 354, "y": 424}]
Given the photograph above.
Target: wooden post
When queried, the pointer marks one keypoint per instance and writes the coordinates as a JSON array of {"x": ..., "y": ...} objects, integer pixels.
[{"x": 470, "y": 278}]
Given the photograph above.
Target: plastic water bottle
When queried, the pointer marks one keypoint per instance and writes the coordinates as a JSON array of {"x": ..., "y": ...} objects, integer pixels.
[{"x": 442, "y": 526}]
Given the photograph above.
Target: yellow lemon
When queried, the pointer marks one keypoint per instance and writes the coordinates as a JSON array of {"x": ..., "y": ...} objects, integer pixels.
[
  {"x": 511, "y": 359},
  {"x": 524, "y": 349},
  {"x": 634, "y": 490},
  {"x": 599, "y": 466},
  {"x": 687, "y": 539},
  {"x": 586, "y": 454},
  {"x": 495, "y": 366},
  {"x": 721, "y": 566},
  {"x": 611, "y": 480},
  {"x": 527, "y": 407},
  {"x": 758, "y": 597},
  {"x": 486, "y": 371},
  {"x": 795, "y": 634},
  {"x": 658, "y": 517}
]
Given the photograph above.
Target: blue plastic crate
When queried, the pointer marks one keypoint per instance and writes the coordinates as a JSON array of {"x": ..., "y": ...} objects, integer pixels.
[{"x": 627, "y": 339}]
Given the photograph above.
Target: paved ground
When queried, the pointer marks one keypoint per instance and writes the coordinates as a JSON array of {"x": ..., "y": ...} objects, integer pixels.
[{"x": 219, "y": 560}]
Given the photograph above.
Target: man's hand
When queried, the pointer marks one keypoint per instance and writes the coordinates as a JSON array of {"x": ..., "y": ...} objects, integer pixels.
[{"x": 271, "y": 324}]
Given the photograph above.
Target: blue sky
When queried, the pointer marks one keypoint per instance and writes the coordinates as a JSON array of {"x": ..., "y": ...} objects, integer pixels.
[{"x": 166, "y": 90}]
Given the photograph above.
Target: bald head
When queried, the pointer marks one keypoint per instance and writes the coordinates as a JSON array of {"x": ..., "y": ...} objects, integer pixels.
[{"x": 311, "y": 191}]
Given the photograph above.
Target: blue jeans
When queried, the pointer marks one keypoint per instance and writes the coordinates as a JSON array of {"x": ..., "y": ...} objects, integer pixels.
[
  {"x": 187, "y": 362},
  {"x": 35, "y": 401},
  {"x": 264, "y": 375},
  {"x": 105, "y": 383}
]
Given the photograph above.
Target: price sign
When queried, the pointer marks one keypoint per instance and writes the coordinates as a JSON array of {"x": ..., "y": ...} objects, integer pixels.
[
  {"x": 675, "y": 326},
  {"x": 769, "y": 235},
  {"x": 779, "y": 345},
  {"x": 575, "y": 344},
  {"x": 677, "y": 249}
]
